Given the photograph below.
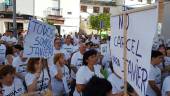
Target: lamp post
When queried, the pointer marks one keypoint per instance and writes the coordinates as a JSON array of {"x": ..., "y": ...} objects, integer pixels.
[{"x": 14, "y": 19}]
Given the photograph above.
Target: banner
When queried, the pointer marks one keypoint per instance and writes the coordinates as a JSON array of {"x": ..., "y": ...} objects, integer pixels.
[
  {"x": 39, "y": 41},
  {"x": 141, "y": 27}
]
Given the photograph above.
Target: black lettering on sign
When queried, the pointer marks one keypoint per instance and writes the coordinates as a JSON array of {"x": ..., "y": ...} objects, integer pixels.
[
  {"x": 43, "y": 29},
  {"x": 42, "y": 47},
  {"x": 137, "y": 74},
  {"x": 132, "y": 45},
  {"x": 116, "y": 61}
]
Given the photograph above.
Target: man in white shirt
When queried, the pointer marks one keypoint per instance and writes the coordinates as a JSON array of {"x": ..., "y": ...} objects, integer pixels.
[
  {"x": 154, "y": 82},
  {"x": 68, "y": 46},
  {"x": 76, "y": 63},
  {"x": 58, "y": 49},
  {"x": 166, "y": 87},
  {"x": 95, "y": 39},
  {"x": 8, "y": 38},
  {"x": 77, "y": 58}
]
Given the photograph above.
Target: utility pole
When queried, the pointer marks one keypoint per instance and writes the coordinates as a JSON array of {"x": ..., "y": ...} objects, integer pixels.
[{"x": 14, "y": 19}]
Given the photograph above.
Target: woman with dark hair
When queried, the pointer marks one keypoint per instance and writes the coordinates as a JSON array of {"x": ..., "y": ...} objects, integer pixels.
[
  {"x": 9, "y": 83},
  {"x": 89, "y": 69},
  {"x": 38, "y": 77},
  {"x": 98, "y": 87}
]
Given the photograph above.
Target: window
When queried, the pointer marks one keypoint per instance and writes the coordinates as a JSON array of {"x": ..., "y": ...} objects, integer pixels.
[
  {"x": 83, "y": 8},
  {"x": 69, "y": 13},
  {"x": 96, "y": 9},
  {"x": 106, "y": 10}
]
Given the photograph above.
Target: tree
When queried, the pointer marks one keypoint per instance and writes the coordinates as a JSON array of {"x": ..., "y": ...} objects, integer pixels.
[{"x": 95, "y": 22}]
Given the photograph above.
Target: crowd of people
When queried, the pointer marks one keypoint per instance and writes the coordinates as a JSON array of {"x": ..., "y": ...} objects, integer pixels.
[{"x": 77, "y": 68}]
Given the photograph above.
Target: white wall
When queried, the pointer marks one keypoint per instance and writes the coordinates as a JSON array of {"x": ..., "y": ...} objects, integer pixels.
[
  {"x": 166, "y": 22},
  {"x": 72, "y": 21},
  {"x": 24, "y": 7},
  {"x": 42, "y": 5}
]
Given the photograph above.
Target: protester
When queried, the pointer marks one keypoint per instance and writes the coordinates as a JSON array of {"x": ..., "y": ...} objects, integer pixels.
[
  {"x": 68, "y": 45},
  {"x": 117, "y": 83},
  {"x": 58, "y": 49},
  {"x": 60, "y": 76},
  {"x": 20, "y": 63},
  {"x": 154, "y": 82},
  {"x": 9, "y": 83},
  {"x": 166, "y": 87},
  {"x": 8, "y": 38},
  {"x": 38, "y": 77},
  {"x": 98, "y": 87},
  {"x": 9, "y": 56},
  {"x": 88, "y": 70}
]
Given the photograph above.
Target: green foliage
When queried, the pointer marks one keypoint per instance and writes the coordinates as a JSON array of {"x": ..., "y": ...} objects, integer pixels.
[{"x": 95, "y": 22}]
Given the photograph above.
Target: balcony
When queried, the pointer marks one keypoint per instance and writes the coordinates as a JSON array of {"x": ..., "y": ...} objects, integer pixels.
[
  {"x": 5, "y": 8},
  {"x": 54, "y": 11},
  {"x": 99, "y": 2},
  {"x": 54, "y": 15}
]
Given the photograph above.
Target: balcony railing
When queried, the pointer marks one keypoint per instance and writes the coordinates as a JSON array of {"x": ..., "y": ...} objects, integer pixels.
[{"x": 54, "y": 11}]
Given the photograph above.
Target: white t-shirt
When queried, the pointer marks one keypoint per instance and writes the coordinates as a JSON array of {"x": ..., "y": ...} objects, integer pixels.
[
  {"x": 16, "y": 89},
  {"x": 95, "y": 40},
  {"x": 77, "y": 60},
  {"x": 44, "y": 77},
  {"x": 68, "y": 48},
  {"x": 84, "y": 74},
  {"x": 51, "y": 59},
  {"x": 154, "y": 75},
  {"x": 166, "y": 86},
  {"x": 58, "y": 86},
  {"x": 2, "y": 53},
  {"x": 9, "y": 39},
  {"x": 117, "y": 83},
  {"x": 21, "y": 67}
]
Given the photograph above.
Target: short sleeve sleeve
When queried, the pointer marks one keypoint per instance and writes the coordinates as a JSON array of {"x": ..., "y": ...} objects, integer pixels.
[
  {"x": 80, "y": 76},
  {"x": 29, "y": 78}
]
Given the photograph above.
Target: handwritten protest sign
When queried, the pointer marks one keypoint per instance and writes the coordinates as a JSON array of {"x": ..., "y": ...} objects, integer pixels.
[
  {"x": 104, "y": 49},
  {"x": 140, "y": 33},
  {"x": 39, "y": 40}
]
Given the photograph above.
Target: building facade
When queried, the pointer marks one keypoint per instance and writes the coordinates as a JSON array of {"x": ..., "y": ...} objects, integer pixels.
[{"x": 60, "y": 13}]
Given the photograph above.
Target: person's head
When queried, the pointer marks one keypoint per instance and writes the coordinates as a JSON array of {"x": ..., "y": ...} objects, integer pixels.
[
  {"x": 82, "y": 48},
  {"x": 162, "y": 49},
  {"x": 17, "y": 49},
  {"x": 21, "y": 55},
  {"x": 59, "y": 59},
  {"x": 7, "y": 73},
  {"x": 156, "y": 57},
  {"x": 8, "y": 32},
  {"x": 98, "y": 87},
  {"x": 57, "y": 43},
  {"x": 68, "y": 39},
  {"x": 168, "y": 51},
  {"x": 36, "y": 64},
  {"x": 90, "y": 57}
]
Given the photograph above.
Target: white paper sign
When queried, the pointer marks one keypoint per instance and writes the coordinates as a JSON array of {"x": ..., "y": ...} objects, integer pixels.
[
  {"x": 141, "y": 29},
  {"x": 39, "y": 41},
  {"x": 104, "y": 49}
]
